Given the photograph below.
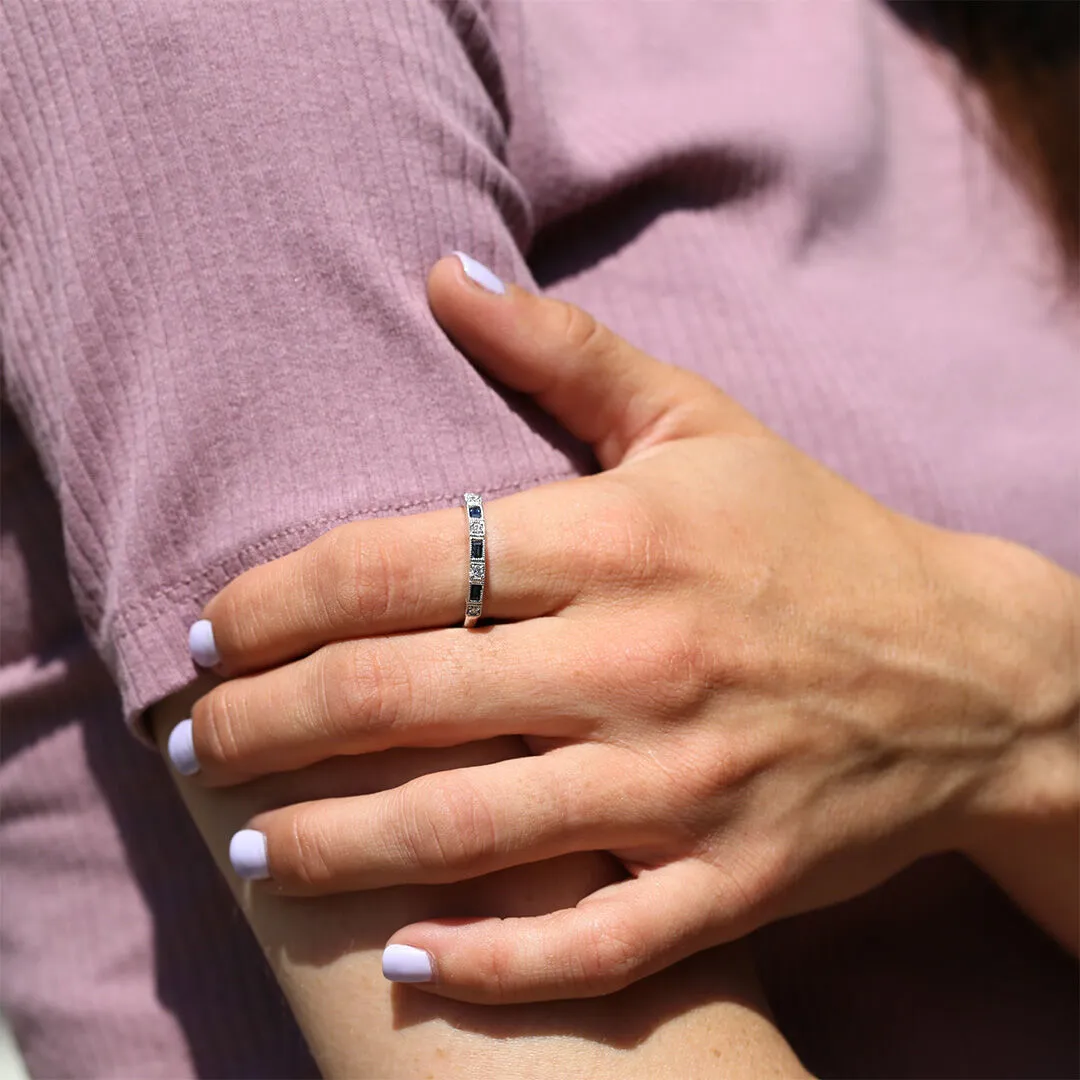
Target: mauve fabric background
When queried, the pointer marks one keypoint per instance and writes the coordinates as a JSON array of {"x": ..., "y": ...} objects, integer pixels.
[{"x": 215, "y": 223}]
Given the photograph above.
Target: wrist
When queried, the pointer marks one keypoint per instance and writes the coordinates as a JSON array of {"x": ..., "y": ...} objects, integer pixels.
[
  {"x": 1022, "y": 627},
  {"x": 1005, "y": 640}
]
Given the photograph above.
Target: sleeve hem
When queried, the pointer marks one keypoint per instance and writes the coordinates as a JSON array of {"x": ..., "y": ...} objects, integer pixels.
[{"x": 150, "y": 635}]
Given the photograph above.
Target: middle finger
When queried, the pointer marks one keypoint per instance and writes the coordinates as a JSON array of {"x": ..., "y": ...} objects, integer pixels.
[{"x": 429, "y": 688}]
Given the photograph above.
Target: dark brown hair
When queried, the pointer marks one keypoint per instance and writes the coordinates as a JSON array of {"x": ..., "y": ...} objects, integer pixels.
[{"x": 1022, "y": 56}]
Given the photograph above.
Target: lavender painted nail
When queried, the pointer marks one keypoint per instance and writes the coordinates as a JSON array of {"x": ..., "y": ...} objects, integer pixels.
[
  {"x": 247, "y": 853},
  {"x": 181, "y": 749},
  {"x": 201, "y": 644},
  {"x": 404, "y": 964},
  {"x": 479, "y": 273}
]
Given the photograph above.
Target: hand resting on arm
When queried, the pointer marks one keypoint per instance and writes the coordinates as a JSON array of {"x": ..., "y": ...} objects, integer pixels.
[{"x": 760, "y": 689}]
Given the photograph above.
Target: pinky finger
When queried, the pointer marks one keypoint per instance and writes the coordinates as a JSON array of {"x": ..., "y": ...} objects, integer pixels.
[{"x": 610, "y": 939}]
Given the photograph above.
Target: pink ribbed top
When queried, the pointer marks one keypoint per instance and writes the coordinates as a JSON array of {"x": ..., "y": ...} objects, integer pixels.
[{"x": 215, "y": 223}]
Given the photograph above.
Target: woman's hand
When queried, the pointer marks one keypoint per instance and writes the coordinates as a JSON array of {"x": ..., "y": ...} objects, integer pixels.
[{"x": 758, "y": 687}]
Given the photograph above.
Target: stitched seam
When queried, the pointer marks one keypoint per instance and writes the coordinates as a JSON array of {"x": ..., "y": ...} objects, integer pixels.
[{"x": 125, "y": 629}]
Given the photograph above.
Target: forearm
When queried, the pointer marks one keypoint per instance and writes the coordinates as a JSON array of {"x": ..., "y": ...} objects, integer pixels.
[
  {"x": 1024, "y": 825},
  {"x": 704, "y": 1014},
  {"x": 1037, "y": 864}
]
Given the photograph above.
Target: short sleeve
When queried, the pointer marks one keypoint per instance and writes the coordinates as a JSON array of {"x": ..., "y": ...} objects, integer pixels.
[{"x": 217, "y": 220}]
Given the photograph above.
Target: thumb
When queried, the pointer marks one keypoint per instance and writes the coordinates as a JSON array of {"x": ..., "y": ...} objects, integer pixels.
[{"x": 604, "y": 391}]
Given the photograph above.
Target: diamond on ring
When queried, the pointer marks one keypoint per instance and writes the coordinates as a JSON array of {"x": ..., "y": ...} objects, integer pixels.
[{"x": 474, "y": 604}]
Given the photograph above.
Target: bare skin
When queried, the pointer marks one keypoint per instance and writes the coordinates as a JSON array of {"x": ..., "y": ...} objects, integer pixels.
[
  {"x": 702, "y": 1018},
  {"x": 1015, "y": 793},
  {"x": 804, "y": 691}
]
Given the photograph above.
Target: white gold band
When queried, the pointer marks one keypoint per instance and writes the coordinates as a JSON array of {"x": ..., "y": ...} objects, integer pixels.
[{"x": 474, "y": 605}]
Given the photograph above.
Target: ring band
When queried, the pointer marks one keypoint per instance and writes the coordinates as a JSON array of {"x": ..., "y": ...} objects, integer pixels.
[{"x": 474, "y": 605}]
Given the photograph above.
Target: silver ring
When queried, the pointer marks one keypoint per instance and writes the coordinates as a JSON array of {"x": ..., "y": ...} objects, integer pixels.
[{"x": 474, "y": 605}]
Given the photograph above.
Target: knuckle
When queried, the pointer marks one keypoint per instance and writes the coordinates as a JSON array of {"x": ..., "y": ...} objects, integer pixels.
[
  {"x": 234, "y": 614},
  {"x": 333, "y": 708},
  {"x": 355, "y": 575},
  {"x": 742, "y": 662},
  {"x": 335, "y": 571},
  {"x": 680, "y": 652},
  {"x": 664, "y": 673},
  {"x": 583, "y": 332},
  {"x": 647, "y": 550},
  {"x": 366, "y": 684},
  {"x": 609, "y": 952},
  {"x": 499, "y": 966},
  {"x": 220, "y": 722},
  {"x": 446, "y": 823},
  {"x": 627, "y": 545},
  {"x": 303, "y": 855}
]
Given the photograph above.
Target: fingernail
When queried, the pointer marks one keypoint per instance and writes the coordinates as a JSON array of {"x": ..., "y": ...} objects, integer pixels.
[
  {"x": 479, "y": 273},
  {"x": 201, "y": 644},
  {"x": 403, "y": 963},
  {"x": 247, "y": 853},
  {"x": 182, "y": 749}
]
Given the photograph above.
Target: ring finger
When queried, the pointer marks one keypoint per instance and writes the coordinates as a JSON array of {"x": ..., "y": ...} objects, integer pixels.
[{"x": 387, "y": 575}]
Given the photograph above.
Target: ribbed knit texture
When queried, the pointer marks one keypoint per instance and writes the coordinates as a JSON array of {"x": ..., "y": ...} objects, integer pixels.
[{"x": 216, "y": 217}]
